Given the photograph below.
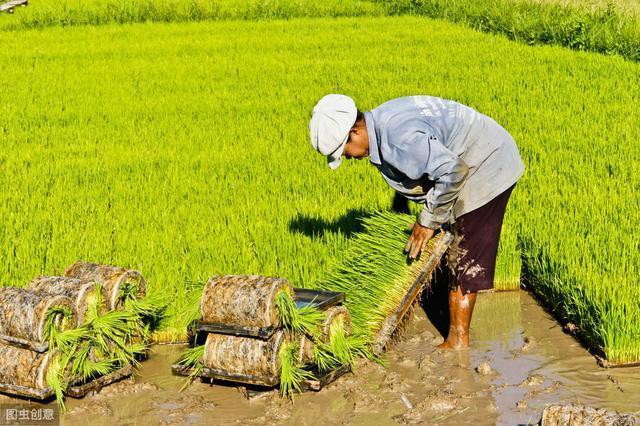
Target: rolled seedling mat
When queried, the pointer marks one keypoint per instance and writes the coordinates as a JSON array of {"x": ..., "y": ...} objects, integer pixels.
[
  {"x": 24, "y": 372},
  {"x": 23, "y": 316},
  {"x": 576, "y": 415},
  {"x": 82, "y": 293},
  {"x": 305, "y": 351},
  {"x": 114, "y": 279},
  {"x": 335, "y": 314},
  {"x": 244, "y": 359},
  {"x": 244, "y": 301}
]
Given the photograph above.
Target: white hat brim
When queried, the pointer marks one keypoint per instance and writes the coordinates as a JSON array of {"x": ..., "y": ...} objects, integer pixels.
[{"x": 335, "y": 158}]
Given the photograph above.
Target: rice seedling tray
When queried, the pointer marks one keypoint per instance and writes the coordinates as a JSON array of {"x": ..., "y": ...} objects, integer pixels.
[
  {"x": 321, "y": 299},
  {"x": 604, "y": 363},
  {"x": 236, "y": 330},
  {"x": 394, "y": 320},
  {"x": 80, "y": 390},
  {"x": 320, "y": 380}
]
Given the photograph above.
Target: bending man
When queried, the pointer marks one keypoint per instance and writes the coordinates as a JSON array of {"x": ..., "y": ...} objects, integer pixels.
[{"x": 459, "y": 163}]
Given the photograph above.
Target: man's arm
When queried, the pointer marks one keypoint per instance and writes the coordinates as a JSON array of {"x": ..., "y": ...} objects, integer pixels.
[{"x": 449, "y": 172}]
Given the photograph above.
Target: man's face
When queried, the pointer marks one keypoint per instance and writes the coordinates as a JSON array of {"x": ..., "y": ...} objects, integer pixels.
[{"x": 357, "y": 145}]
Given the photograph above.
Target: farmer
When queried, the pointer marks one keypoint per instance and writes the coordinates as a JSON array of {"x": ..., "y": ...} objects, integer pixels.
[{"x": 460, "y": 164}]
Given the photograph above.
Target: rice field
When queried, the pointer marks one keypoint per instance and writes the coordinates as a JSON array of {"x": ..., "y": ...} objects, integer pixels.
[{"x": 181, "y": 149}]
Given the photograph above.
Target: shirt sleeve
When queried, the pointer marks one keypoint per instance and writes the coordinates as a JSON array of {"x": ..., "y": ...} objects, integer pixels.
[{"x": 425, "y": 154}]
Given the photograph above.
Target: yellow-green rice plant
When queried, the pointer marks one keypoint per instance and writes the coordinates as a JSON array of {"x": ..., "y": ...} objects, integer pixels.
[
  {"x": 292, "y": 372},
  {"x": 375, "y": 273},
  {"x": 192, "y": 358},
  {"x": 304, "y": 320}
]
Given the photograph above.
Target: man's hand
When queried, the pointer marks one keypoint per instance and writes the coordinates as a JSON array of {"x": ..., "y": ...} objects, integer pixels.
[{"x": 420, "y": 236}]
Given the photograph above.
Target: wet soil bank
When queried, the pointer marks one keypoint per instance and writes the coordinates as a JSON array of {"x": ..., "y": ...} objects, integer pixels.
[{"x": 520, "y": 361}]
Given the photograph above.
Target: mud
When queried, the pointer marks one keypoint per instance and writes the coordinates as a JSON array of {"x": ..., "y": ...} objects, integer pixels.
[{"x": 533, "y": 363}]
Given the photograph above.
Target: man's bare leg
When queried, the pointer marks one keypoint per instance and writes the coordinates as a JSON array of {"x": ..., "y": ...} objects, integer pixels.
[{"x": 460, "y": 311}]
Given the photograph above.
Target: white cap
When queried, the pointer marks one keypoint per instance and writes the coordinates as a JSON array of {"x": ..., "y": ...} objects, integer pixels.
[{"x": 332, "y": 119}]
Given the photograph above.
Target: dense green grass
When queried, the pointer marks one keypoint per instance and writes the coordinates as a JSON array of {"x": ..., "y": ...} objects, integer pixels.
[
  {"x": 182, "y": 150},
  {"x": 605, "y": 26},
  {"x": 609, "y": 30},
  {"x": 45, "y": 13}
]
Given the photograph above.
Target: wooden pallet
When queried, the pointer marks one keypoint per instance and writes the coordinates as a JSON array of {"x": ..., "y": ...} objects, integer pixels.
[
  {"x": 80, "y": 390},
  {"x": 320, "y": 378},
  {"x": 77, "y": 390},
  {"x": 8, "y": 7},
  {"x": 211, "y": 373}
]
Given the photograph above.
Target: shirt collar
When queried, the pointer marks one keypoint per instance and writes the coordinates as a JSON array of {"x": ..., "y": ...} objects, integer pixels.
[{"x": 374, "y": 147}]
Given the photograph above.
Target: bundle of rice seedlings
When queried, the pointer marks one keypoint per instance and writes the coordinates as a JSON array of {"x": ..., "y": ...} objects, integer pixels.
[
  {"x": 256, "y": 301},
  {"x": 244, "y": 356},
  {"x": 375, "y": 274},
  {"x": 105, "y": 342},
  {"x": 121, "y": 284},
  {"x": 23, "y": 367},
  {"x": 292, "y": 372},
  {"x": 305, "y": 320}
]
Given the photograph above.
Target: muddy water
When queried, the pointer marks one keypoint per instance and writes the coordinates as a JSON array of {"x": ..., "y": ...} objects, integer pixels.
[{"x": 520, "y": 361}]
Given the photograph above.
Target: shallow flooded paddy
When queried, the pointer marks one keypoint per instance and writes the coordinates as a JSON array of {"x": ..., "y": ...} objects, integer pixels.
[{"x": 520, "y": 361}]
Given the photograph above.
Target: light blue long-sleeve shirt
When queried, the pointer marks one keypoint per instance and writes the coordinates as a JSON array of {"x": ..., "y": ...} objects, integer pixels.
[{"x": 443, "y": 154}]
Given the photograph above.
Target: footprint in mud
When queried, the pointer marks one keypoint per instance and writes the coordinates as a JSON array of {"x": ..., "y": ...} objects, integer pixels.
[
  {"x": 529, "y": 343},
  {"x": 533, "y": 380},
  {"x": 408, "y": 363},
  {"x": 361, "y": 398},
  {"x": 125, "y": 388},
  {"x": 180, "y": 409},
  {"x": 96, "y": 408},
  {"x": 437, "y": 404},
  {"x": 395, "y": 382}
]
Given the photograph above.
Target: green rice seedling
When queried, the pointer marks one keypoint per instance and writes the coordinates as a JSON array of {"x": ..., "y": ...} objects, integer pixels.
[
  {"x": 338, "y": 344},
  {"x": 192, "y": 358},
  {"x": 55, "y": 337},
  {"x": 375, "y": 274},
  {"x": 56, "y": 379},
  {"x": 306, "y": 320},
  {"x": 291, "y": 373},
  {"x": 324, "y": 357}
]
